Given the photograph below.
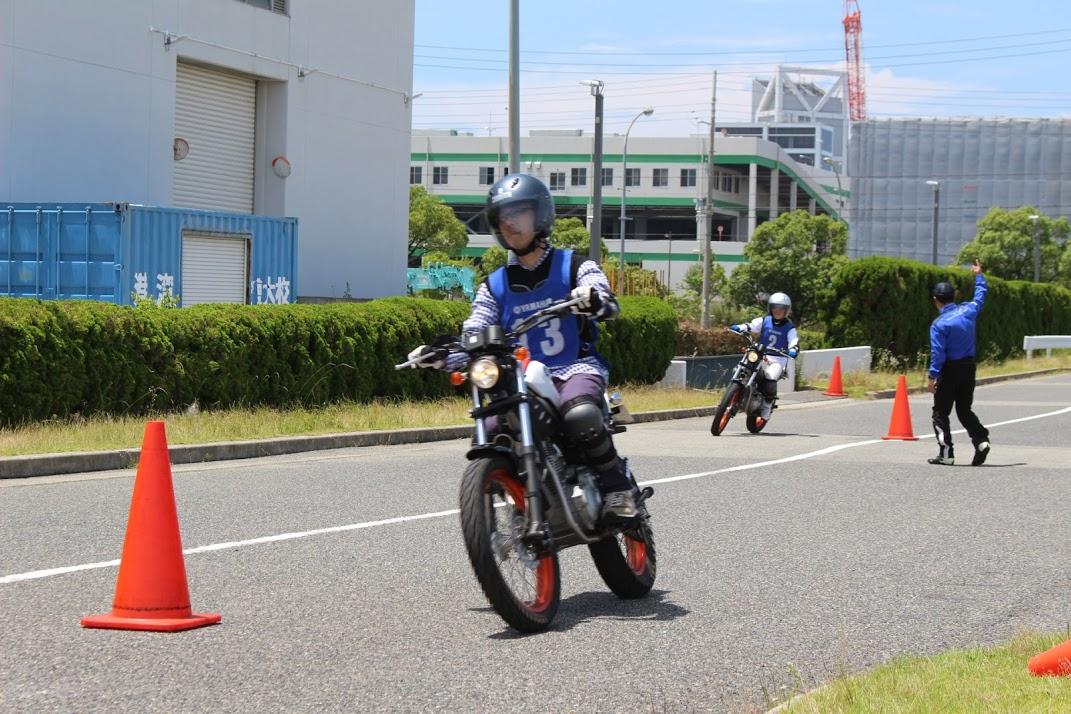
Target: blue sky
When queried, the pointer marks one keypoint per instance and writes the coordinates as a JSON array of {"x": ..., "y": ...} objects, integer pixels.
[{"x": 936, "y": 58}]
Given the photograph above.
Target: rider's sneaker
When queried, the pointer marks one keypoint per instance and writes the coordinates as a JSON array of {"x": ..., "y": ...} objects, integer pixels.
[
  {"x": 620, "y": 505},
  {"x": 980, "y": 452},
  {"x": 941, "y": 461}
]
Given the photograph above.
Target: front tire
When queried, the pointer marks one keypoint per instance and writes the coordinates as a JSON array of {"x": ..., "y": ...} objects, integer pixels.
[
  {"x": 627, "y": 561},
  {"x": 726, "y": 408},
  {"x": 524, "y": 590}
]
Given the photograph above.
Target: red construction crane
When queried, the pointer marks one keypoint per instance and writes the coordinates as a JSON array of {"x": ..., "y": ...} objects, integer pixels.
[{"x": 853, "y": 53}]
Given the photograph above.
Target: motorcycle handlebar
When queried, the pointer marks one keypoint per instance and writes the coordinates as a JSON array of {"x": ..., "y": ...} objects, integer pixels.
[{"x": 520, "y": 329}]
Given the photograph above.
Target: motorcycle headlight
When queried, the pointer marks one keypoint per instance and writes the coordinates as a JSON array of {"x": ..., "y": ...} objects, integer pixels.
[
  {"x": 484, "y": 373},
  {"x": 752, "y": 356}
]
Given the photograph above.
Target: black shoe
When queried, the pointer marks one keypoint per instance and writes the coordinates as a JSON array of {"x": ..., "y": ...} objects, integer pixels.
[
  {"x": 941, "y": 461},
  {"x": 980, "y": 452}
]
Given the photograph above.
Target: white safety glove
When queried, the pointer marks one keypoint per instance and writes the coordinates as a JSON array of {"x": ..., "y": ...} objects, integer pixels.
[
  {"x": 589, "y": 301},
  {"x": 433, "y": 357}
]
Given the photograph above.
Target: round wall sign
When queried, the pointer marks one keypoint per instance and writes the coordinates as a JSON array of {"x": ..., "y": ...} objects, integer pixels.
[
  {"x": 180, "y": 148},
  {"x": 281, "y": 166}
]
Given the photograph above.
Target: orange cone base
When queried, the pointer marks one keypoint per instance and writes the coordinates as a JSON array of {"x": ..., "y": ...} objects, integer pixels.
[
  {"x": 1054, "y": 662},
  {"x": 834, "y": 394},
  {"x": 152, "y": 624},
  {"x": 890, "y": 437}
]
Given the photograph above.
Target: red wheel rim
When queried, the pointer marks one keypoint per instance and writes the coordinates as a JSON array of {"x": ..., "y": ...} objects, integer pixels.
[
  {"x": 544, "y": 591},
  {"x": 727, "y": 414},
  {"x": 636, "y": 555}
]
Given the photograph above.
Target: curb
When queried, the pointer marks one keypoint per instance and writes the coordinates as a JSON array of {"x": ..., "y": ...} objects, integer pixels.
[
  {"x": 86, "y": 461},
  {"x": 889, "y": 393}
]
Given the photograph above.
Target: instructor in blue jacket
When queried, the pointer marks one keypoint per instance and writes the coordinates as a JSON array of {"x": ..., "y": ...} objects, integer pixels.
[{"x": 952, "y": 348}]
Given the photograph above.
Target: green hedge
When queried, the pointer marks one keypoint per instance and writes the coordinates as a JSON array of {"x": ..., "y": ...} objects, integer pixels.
[
  {"x": 885, "y": 303},
  {"x": 641, "y": 342},
  {"x": 60, "y": 358}
]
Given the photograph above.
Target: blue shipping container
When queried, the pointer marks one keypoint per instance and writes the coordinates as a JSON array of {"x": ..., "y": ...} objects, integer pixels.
[{"x": 112, "y": 251}]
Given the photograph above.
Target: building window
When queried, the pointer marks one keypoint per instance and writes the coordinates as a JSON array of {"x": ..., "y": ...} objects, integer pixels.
[
  {"x": 487, "y": 175},
  {"x": 632, "y": 177},
  {"x": 557, "y": 180},
  {"x": 607, "y": 177},
  {"x": 279, "y": 6},
  {"x": 687, "y": 177},
  {"x": 736, "y": 185},
  {"x": 416, "y": 174},
  {"x": 660, "y": 177},
  {"x": 440, "y": 175},
  {"x": 726, "y": 183},
  {"x": 579, "y": 177}
]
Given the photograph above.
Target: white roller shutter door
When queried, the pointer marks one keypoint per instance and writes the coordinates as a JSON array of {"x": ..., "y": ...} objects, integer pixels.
[
  {"x": 215, "y": 112},
  {"x": 215, "y": 268}
]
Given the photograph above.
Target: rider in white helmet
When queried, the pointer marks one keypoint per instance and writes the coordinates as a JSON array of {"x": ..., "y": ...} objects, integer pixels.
[{"x": 773, "y": 330}]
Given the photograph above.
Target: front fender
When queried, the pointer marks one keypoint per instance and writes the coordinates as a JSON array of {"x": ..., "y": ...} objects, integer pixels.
[{"x": 486, "y": 451}]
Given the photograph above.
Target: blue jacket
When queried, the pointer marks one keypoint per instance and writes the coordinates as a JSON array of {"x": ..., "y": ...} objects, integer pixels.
[{"x": 952, "y": 332}]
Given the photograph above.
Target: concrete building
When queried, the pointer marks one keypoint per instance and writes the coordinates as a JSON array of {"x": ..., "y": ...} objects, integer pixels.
[
  {"x": 899, "y": 167},
  {"x": 755, "y": 180},
  {"x": 276, "y": 107}
]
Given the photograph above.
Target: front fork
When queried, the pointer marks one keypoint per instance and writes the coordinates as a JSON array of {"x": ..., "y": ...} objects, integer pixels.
[{"x": 536, "y": 535}]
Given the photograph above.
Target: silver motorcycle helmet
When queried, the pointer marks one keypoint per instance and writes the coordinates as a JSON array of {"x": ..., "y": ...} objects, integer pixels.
[{"x": 779, "y": 300}]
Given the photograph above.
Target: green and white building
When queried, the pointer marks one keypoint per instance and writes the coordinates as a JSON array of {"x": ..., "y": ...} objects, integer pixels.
[{"x": 755, "y": 180}]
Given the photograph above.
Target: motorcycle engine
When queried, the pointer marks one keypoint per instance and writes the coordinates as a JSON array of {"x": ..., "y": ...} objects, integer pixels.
[{"x": 587, "y": 498}]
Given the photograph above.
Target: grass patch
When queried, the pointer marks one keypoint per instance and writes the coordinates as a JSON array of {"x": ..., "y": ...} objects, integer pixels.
[
  {"x": 104, "y": 433},
  {"x": 993, "y": 679},
  {"x": 858, "y": 384}
]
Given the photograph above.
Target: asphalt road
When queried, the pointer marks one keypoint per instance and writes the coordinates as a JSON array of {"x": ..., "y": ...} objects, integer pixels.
[{"x": 837, "y": 554}]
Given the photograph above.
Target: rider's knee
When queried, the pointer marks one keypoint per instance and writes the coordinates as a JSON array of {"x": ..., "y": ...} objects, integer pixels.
[{"x": 582, "y": 420}]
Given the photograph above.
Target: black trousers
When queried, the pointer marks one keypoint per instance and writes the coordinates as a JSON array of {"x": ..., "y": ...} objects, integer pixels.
[{"x": 955, "y": 387}]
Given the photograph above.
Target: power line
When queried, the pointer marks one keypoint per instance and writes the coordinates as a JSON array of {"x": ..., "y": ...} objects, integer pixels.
[{"x": 741, "y": 52}]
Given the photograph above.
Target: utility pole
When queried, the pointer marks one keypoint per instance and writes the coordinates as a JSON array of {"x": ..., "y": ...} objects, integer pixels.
[
  {"x": 594, "y": 251},
  {"x": 708, "y": 219},
  {"x": 936, "y": 204},
  {"x": 514, "y": 87}
]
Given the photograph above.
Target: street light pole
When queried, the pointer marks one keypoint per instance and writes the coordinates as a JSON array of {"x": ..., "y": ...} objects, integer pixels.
[
  {"x": 1037, "y": 249},
  {"x": 514, "y": 87},
  {"x": 624, "y": 192},
  {"x": 936, "y": 207},
  {"x": 594, "y": 251}
]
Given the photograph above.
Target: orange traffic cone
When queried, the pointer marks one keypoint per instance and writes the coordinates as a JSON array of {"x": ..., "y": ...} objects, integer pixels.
[
  {"x": 836, "y": 386},
  {"x": 900, "y": 424},
  {"x": 151, "y": 591},
  {"x": 1056, "y": 661}
]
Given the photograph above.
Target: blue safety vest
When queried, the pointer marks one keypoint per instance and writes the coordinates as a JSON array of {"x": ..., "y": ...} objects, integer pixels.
[
  {"x": 557, "y": 342},
  {"x": 775, "y": 336}
]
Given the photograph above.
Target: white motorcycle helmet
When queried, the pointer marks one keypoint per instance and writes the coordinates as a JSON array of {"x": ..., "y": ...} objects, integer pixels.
[{"x": 781, "y": 300}]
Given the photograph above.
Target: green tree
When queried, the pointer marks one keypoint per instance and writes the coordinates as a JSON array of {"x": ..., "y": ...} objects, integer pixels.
[
  {"x": 492, "y": 259},
  {"x": 433, "y": 225},
  {"x": 796, "y": 253},
  {"x": 570, "y": 233},
  {"x": 1005, "y": 245}
]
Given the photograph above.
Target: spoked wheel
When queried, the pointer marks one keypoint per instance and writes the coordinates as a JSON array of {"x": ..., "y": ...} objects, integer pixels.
[
  {"x": 523, "y": 589},
  {"x": 627, "y": 561},
  {"x": 756, "y": 423},
  {"x": 726, "y": 409}
]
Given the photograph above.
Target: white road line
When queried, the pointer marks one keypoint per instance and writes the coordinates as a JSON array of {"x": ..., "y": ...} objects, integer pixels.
[{"x": 38, "y": 574}]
